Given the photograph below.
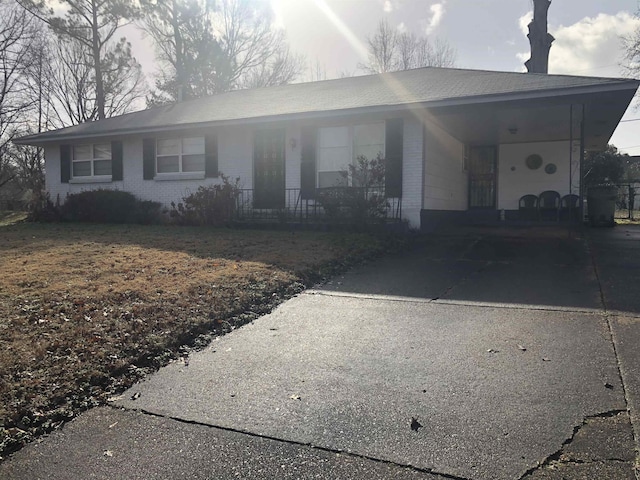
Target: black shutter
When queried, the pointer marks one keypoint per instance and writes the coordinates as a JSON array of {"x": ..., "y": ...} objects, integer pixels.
[
  {"x": 116, "y": 160},
  {"x": 65, "y": 163},
  {"x": 211, "y": 155},
  {"x": 393, "y": 158},
  {"x": 148, "y": 158},
  {"x": 308, "y": 163}
]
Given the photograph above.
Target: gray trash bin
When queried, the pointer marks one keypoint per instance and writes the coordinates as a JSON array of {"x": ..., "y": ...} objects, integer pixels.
[{"x": 602, "y": 205}]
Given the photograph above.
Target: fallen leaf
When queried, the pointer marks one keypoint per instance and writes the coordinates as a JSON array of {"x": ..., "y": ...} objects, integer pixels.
[
  {"x": 135, "y": 396},
  {"x": 295, "y": 397},
  {"x": 415, "y": 424},
  {"x": 491, "y": 350},
  {"x": 524, "y": 349},
  {"x": 108, "y": 453},
  {"x": 544, "y": 359}
]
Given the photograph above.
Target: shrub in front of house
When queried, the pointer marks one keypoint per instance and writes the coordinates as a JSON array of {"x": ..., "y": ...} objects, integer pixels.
[
  {"x": 213, "y": 205},
  {"x": 42, "y": 209},
  {"x": 108, "y": 206},
  {"x": 362, "y": 199}
]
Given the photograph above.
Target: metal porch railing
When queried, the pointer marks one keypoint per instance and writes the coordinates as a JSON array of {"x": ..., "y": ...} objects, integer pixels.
[{"x": 328, "y": 205}]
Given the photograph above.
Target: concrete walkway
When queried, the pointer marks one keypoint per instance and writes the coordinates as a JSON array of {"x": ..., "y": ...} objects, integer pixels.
[{"x": 477, "y": 356}]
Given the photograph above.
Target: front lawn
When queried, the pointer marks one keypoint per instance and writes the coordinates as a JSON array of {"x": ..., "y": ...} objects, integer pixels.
[{"x": 86, "y": 310}]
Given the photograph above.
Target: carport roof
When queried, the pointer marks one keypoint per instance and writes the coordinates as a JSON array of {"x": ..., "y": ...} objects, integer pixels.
[{"x": 426, "y": 87}]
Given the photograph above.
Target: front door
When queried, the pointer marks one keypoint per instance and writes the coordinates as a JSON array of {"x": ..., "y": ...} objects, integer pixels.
[
  {"x": 482, "y": 177},
  {"x": 268, "y": 168}
]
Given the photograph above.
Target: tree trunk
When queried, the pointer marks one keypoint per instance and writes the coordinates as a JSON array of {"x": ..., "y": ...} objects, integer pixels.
[
  {"x": 539, "y": 38},
  {"x": 95, "y": 41},
  {"x": 177, "y": 37}
]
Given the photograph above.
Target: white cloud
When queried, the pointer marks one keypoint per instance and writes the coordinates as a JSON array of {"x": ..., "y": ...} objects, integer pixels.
[
  {"x": 390, "y": 5},
  {"x": 591, "y": 46},
  {"x": 524, "y": 22},
  {"x": 437, "y": 13}
]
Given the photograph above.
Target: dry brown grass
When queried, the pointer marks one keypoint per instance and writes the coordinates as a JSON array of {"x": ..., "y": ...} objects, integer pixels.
[{"x": 85, "y": 310}]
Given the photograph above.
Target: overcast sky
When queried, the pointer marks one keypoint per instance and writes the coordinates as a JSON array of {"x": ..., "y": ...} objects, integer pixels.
[{"x": 487, "y": 34}]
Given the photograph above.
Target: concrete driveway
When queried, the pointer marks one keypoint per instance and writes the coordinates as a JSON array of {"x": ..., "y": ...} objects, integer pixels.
[{"x": 477, "y": 356}]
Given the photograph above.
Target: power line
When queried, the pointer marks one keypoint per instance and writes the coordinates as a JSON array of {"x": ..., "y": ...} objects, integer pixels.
[{"x": 630, "y": 120}]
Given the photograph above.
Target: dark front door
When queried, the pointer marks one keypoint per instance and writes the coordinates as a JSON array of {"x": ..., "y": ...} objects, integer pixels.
[
  {"x": 482, "y": 177},
  {"x": 268, "y": 168}
]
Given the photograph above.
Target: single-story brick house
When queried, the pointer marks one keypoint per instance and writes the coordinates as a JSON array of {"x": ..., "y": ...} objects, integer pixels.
[{"x": 458, "y": 143}]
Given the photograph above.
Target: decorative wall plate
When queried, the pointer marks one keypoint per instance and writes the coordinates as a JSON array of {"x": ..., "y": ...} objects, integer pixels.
[
  {"x": 533, "y": 161},
  {"x": 550, "y": 168}
]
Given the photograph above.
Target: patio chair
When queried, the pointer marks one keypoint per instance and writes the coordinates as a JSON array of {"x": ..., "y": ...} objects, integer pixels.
[
  {"x": 570, "y": 208},
  {"x": 528, "y": 207},
  {"x": 549, "y": 205}
]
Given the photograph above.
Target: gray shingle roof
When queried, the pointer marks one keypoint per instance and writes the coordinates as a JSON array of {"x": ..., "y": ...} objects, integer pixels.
[{"x": 425, "y": 85}]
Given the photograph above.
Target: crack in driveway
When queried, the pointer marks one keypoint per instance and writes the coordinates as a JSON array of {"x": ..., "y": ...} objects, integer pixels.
[
  {"x": 428, "y": 471},
  {"x": 599, "y": 439}
]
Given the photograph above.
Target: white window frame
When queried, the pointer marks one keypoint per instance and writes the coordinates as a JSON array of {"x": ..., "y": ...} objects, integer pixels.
[
  {"x": 181, "y": 174},
  {"x": 351, "y": 128},
  {"x": 92, "y": 177}
]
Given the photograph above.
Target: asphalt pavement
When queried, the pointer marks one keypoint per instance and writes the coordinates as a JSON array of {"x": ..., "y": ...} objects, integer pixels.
[{"x": 483, "y": 354}]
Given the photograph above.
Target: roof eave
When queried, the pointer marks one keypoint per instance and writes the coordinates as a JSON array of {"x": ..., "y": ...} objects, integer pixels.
[{"x": 41, "y": 139}]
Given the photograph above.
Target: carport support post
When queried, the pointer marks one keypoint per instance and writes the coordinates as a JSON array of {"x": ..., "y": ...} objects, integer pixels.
[
  {"x": 569, "y": 227},
  {"x": 581, "y": 158},
  {"x": 582, "y": 165}
]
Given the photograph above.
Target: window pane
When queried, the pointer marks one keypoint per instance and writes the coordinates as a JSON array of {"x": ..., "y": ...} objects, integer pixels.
[
  {"x": 334, "y": 137},
  {"x": 169, "y": 146},
  {"x": 192, "y": 146},
  {"x": 102, "y": 150},
  {"x": 368, "y": 134},
  {"x": 368, "y": 151},
  {"x": 81, "y": 152},
  {"x": 331, "y": 179},
  {"x": 193, "y": 163},
  {"x": 102, "y": 167},
  {"x": 168, "y": 164},
  {"x": 333, "y": 159},
  {"x": 81, "y": 169}
]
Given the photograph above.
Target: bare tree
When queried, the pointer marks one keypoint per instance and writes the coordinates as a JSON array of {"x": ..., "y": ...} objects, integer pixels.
[
  {"x": 317, "y": 71},
  {"x": 631, "y": 44},
  {"x": 190, "y": 57},
  {"x": 255, "y": 49},
  {"x": 93, "y": 25},
  {"x": 383, "y": 48},
  {"x": 391, "y": 50},
  {"x": 280, "y": 69},
  {"x": 29, "y": 160},
  {"x": 206, "y": 47},
  {"x": 18, "y": 38},
  {"x": 72, "y": 82}
]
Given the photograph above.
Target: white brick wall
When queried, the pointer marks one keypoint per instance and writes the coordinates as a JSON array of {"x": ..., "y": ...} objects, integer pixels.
[
  {"x": 445, "y": 181},
  {"x": 235, "y": 159}
]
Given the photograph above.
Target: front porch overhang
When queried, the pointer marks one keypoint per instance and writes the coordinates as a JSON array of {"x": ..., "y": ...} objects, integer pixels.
[{"x": 537, "y": 120}]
